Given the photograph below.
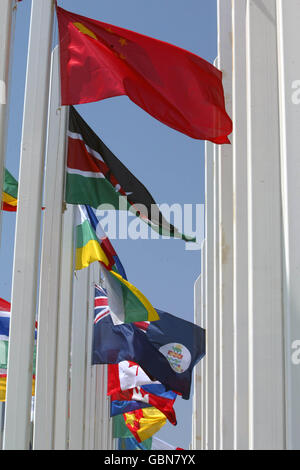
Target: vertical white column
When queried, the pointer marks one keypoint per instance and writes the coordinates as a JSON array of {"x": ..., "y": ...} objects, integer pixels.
[
  {"x": 289, "y": 85},
  {"x": 197, "y": 407},
  {"x": 63, "y": 357},
  {"x": 106, "y": 412},
  {"x": 203, "y": 363},
  {"x": 27, "y": 239},
  {"x": 266, "y": 349},
  {"x": 89, "y": 442},
  {"x": 110, "y": 440},
  {"x": 50, "y": 266},
  {"x": 240, "y": 232},
  {"x": 6, "y": 19},
  {"x": 100, "y": 394},
  {"x": 78, "y": 360},
  {"x": 226, "y": 236},
  {"x": 216, "y": 338},
  {"x": 209, "y": 275}
]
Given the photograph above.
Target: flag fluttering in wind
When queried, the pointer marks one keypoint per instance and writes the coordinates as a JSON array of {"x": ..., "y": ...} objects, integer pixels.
[
  {"x": 144, "y": 397},
  {"x": 4, "y": 339},
  {"x": 126, "y": 302},
  {"x": 133, "y": 398},
  {"x": 130, "y": 389},
  {"x": 120, "y": 430},
  {"x": 113, "y": 258},
  {"x": 126, "y": 375},
  {"x": 180, "y": 89},
  {"x": 181, "y": 342},
  {"x": 89, "y": 247},
  {"x": 96, "y": 176},
  {"x": 9, "y": 193},
  {"x": 167, "y": 353},
  {"x": 145, "y": 422},
  {"x": 126, "y": 342},
  {"x": 92, "y": 243}
]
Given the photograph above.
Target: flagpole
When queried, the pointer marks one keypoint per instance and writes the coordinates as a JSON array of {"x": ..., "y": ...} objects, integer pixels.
[
  {"x": 28, "y": 226},
  {"x": 6, "y": 20},
  {"x": 50, "y": 265}
]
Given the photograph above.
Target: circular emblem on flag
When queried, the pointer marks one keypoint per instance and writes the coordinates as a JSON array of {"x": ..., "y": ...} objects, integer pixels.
[{"x": 178, "y": 355}]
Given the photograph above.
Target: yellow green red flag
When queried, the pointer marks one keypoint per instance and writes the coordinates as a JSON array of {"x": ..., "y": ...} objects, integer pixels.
[
  {"x": 9, "y": 193},
  {"x": 145, "y": 422}
]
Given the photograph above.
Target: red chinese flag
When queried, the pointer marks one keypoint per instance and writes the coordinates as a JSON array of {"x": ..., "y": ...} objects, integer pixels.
[{"x": 176, "y": 87}]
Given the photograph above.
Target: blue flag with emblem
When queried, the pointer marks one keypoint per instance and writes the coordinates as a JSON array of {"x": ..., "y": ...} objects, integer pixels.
[{"x": 167, "y": 349}]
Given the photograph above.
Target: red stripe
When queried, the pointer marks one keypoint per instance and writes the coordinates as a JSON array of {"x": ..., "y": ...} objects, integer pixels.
[
  {"x": 138, "y": 414},
  {"x": 80, "y": 159},
  {"x": 98, "y": 317},
  {"x": 143, "y": 325},
  {"x": 8, "y": 207},
  {"x": 113, "y": 379},
  {"x": 102, "y": 302},
  {"x": 4, "y": 305}
]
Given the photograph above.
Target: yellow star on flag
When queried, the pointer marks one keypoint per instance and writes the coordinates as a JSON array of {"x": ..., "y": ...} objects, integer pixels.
[{"x": 123, "y": 42}]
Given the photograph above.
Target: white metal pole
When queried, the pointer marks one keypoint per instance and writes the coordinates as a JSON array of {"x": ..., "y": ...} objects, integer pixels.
[
  {"x": 209, "y": 275},
  {"x": 203, "y": 365},
  {"x": 6, "y": 19},
  {"x": 78, "y": 359},
  {"x": 90, "y": 407},
  {"x": 226, "y": 236},
  {"x": 216, "y": 294},
  {"x": 63, "y": 359},
  {"x": 28, "y": 224},
  {"x": 288, "y": 16},
  {"x": 50, "y": 265},
  {"x": 106, "y": 411},
  {"x": 266, "y": 334},
  {"x": 100, "y": 392},
  {"x": 197, "y": 409},
  {"x": 240, "y": 232}
]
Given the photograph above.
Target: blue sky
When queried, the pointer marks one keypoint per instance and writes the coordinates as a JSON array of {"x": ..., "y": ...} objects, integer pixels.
[{"x": 168, "y": 163}]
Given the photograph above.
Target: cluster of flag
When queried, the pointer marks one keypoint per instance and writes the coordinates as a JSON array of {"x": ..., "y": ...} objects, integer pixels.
[
  {"x": 149, "y": 364},
  {"x": 150, "y": 353}
]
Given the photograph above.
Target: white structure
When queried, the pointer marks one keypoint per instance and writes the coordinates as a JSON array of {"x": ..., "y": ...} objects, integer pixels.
[{"x": 250, "y": 305}]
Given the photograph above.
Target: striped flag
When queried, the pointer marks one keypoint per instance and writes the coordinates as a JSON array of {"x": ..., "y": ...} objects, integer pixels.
[
  {"x": 9, "y": 193},
  {"x": 96, "y": 176},
  {"x": 144, "y": 397},
  {"x": 145, "y": 422},
  {"x": 89, "y": 228},
  {"x": 126, "y": 302}
]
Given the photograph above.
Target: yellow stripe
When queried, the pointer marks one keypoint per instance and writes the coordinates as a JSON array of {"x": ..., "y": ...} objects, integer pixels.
[
  {"x": 152, "y": 421},
  {"x": 89, "y": 253},
  {"x": 3, "y": 388},
  {"x": 152, "y": 314},
  {"x": 83, "y": 29},
  {"x": 12, "y": 201}
]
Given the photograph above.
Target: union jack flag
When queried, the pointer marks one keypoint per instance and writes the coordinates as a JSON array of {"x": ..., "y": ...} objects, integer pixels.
[{"x": 101, "y": 304}]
